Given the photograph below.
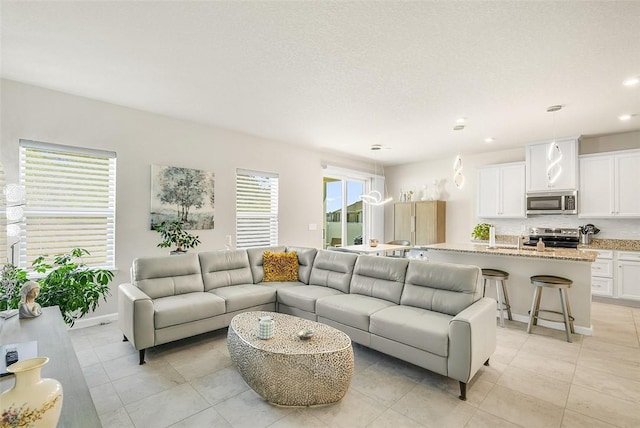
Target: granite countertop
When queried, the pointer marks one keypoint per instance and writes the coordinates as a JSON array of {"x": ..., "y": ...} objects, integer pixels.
[
  {"x": 579, "y": 255},
  {"x": 596, "y": 243},
  {"x": 612, "y": 244}
]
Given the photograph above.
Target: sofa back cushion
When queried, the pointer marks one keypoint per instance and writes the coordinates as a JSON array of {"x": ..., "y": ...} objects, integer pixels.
[
  {"x": 167, "y": 275},
  {"x": 306, "y": 256},
  {"x": 442, "y": 287},
  {"x": 225, "y": 268},
  {"x": 333, "y": 269},
  {"x": 256, "y": 262},
  {"x": 380, "y": 277}
]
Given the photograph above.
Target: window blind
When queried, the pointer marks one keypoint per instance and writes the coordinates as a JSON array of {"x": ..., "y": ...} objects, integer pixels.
[
  {"x": 70, "y": 202},
  {"x": 3, "y": 221},
  {"x": 256, "y": 209}
]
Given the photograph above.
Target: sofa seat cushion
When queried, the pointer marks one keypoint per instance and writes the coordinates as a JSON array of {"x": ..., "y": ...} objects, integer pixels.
[
  {"x": 353, "y": 310},
  {"x": 184, "y": 308},
  {"x": 243, "y": 296},
  {"x": 304, "y": 297},
  {"x": 278, "y": 285},
  {"x": 417, "y": 327}
]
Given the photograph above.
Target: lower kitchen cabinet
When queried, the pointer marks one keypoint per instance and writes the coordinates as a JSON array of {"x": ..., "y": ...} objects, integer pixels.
[
  {"x": 623, "y": 281},
  {"x": 602, "y": 274},
  {"x": 628, "y": 278}
]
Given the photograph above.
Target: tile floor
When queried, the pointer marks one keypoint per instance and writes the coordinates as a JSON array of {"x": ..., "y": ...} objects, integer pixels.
[{"x": 534, "y": 380}]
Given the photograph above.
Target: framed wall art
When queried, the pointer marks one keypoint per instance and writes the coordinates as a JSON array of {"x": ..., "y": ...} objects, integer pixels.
[{"x": 182, "y": 194}]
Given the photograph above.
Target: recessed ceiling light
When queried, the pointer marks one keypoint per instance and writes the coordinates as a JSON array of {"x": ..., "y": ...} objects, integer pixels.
[
  {"x": 461, "y": 120},
  {"x": 489, "y": 140},
  {"x": 633, "y": 81},
  {"x": 458, "y": 127},
  {"x": 625, "y": 117}
]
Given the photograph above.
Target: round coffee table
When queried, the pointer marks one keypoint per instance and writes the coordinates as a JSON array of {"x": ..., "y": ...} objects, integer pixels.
[{"x": 286, "y": 370}]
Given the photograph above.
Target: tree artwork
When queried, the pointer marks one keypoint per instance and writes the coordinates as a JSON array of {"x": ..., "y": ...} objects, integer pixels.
[{"x": 182, "y": 194}]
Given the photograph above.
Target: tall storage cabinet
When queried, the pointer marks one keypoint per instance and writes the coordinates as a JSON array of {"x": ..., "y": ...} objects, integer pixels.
[{"x": 421, "y": 222}]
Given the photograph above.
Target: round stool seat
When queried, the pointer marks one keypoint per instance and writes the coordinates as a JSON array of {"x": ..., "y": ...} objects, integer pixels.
[
  {"x": 495, "y": 274},
  {"x": 551, "y": 281},
  {"x": 541, "y": 282}
]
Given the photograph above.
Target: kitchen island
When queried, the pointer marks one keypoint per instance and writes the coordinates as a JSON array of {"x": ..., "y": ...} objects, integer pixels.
[{"x": 521, "y": 265}]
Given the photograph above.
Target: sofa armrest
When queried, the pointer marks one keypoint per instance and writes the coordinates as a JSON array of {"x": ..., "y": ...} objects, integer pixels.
[
  {"x": 472, "y": 339},
  {"x": 135, "y": 316}
]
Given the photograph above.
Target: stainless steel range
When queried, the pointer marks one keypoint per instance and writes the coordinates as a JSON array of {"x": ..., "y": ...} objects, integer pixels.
[{"x": 554, "y": 237}]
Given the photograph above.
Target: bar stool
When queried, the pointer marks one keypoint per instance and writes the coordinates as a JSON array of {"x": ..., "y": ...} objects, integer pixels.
[
  {"x": 499, "y": 276},
  {"x": 550, "y": 281}
]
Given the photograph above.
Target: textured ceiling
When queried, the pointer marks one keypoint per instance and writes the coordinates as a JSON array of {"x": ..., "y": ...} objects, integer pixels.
[{"x": 341, "y": 76}]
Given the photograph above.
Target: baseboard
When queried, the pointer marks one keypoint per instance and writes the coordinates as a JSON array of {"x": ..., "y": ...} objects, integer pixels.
[
  {"x": 99, "y": 320},
  {"x": 586, "y": 331},
  {"x": 616, "y": 301}
]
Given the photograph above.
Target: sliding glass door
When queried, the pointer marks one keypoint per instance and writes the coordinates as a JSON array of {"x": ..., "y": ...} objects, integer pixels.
[{"x": 343, "y": 212}]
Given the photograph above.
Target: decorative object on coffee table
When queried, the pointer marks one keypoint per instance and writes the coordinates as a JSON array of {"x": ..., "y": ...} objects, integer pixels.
[{"x": 286, "y": 370}]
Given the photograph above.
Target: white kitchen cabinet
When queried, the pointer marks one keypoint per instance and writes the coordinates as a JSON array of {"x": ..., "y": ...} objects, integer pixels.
[
  {"x": 602, "y": 274},
  {"x": 628, "y": 278},
  {"x": 501, "y": 191},
  {"x": 537, "y": 161},
  {"x": 609, "y": 185}
]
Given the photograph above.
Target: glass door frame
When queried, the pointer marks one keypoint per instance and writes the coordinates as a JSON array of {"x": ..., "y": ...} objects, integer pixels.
[{"x": 345, "y": 175}]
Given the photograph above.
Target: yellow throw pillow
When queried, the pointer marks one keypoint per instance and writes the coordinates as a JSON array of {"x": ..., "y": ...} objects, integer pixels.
[{"x": 280, "y": 267}]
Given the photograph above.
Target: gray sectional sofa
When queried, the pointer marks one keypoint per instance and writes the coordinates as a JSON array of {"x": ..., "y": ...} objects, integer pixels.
[{"x": 432, "y": 315}]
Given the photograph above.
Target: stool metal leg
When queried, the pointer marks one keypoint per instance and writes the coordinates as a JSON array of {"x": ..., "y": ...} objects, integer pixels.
[
  {"x": 534, "y": 307},
  {"x": 538, "y": 299},
  {"x": 506, "y": 298},
  {"x": 567, "y": 323},
  {"x": 566, "y": 299},
  {"x": 500, "y": 303}
]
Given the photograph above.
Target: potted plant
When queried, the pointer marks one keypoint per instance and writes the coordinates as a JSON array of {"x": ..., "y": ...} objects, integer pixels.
[
  {"x": 11, "y": 280},
  {"x": 173, "y": 234},
  {"x": 70, "y": 284},
  {"x": 481, "y": 232}
]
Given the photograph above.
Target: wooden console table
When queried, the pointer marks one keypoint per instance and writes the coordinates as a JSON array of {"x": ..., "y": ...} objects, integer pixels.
[{"x": 50, "y": 331}]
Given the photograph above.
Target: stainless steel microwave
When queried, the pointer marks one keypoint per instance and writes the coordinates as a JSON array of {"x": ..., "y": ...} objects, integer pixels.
[{"x": 552, "y": 203}]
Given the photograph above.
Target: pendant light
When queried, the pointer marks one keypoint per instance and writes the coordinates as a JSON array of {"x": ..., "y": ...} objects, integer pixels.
[
  {"x": 458, "y": 177},
  {"x": 374, "y": 197},
  {"x": 554, "y": 154}
]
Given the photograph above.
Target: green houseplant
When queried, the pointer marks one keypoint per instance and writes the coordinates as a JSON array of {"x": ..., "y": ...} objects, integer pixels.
[
  {"x": 11, "y": 280},
  {"x": 70, "y": 284},
  {"x": 481, "y": 231},
  {"x": 173, "y": 234}
]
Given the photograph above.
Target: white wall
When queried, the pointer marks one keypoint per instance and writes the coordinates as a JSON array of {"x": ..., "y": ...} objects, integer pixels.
[
  {"x": 141, "y": 139},
  {"x": 461, "y": 203}
]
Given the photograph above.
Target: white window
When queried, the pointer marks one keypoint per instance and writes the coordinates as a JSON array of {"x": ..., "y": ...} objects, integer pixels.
[
  {"x": 256, "y": 209},
  {"x": 70, "y": 202}
]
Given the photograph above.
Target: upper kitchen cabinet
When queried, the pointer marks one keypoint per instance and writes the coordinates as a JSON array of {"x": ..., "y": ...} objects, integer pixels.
[
  {"x": 538, "y": 162},
  {"x": 501, "y": 191},
  {"x": 609, "y": 184}
]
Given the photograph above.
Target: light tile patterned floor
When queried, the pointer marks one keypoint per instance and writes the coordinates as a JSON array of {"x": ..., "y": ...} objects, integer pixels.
[{"x": 536, "y": 380}]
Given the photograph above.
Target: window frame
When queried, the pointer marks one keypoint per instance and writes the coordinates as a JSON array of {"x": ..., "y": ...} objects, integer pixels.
[
  {"x": 101, "y": 212},
  {"x": 242, "y": 200}
]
